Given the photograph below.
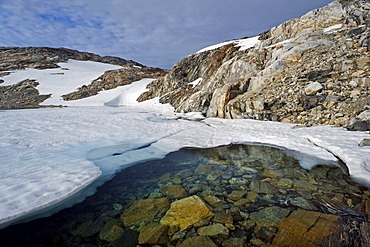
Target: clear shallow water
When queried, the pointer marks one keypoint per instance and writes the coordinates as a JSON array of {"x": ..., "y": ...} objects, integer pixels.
[{"x": 251, "y": 182}]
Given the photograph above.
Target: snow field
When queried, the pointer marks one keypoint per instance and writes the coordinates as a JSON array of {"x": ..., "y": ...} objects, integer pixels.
[{"x": 50, "y": 154}]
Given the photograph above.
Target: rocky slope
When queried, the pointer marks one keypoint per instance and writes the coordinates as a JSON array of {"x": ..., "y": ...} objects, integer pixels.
[
  {"x": 25, "y": 94},
  {"x": 15, "y": 58},
  {"x": 309, "y": 70}
]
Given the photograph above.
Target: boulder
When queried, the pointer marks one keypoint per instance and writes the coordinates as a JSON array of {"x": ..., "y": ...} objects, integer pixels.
[
  {"x": 364, "y": 143},
  {"x": 186, "y": 212},
  {"x": 308, "y": 228},
  {"x": 154, "y": 233},
  {"x": 144, "y": 211}
]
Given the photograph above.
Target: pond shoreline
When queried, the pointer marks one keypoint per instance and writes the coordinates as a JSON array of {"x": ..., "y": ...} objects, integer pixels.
[{"x": 252, "y": 195}]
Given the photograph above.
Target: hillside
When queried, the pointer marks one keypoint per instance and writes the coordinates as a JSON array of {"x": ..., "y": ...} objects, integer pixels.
[
  {"x": 25, "y": 93},
  {"x": 310, "y": 70}
]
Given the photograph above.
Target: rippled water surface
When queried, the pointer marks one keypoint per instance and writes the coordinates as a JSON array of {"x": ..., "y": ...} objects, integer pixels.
[{"x": 254, "y": 193}]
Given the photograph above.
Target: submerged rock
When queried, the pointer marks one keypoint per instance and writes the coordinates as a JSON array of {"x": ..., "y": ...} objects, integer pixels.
[
  {"x": 144, "y": 211},
  {"x": 259, "y": 186},
  {"x": 203, "y": 241},
  {"x": 308, "y": 228},
  {"x": 174, "y": 191},
  {"x": 214, "y": 230},
  {"x": 154, "y": 233},
  {"x": 270, "y": 216},
  {"x": 186, "y": 212},
  {"x": 111, "y": 231}
]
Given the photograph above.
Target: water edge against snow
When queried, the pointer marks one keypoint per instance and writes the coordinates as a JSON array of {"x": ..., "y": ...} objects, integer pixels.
[{"x": 254, "y": 194}]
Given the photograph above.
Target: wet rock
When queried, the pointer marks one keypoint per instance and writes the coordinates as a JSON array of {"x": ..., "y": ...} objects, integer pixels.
[
  {"x": 238, "y": 181},
  {"x": 214, "y": 230},
  {"x": 144, "y": 211},
  {"x": 203, "y": 241},
  {"x": 186, "y": 212},
  {"x": 174, "y": 191},
  {"x": 266, "y": 234},
  {"x": 154, "y": 233},
  {"x": 367, "y": 208},
  {"x": 257, "y": 242},
  {"x": 177, "y": 236},
  {"x": 247, "y": 225},
  {"x": 196, "y": 188},
  {"x": 215, "y": 174},
  {"x": 307, "y": 228},
  {"x": 111, "y": 231},
  {"x": 236, "y": 195},
  {"x": 203, "y": 169},
  {"x": 304, "y": 185},
  {"x": 223, "y": 218},
  {"x": 270, "y": 216},
  {"x": 184, "y": 173},
  {"x": 201, "y": 223},
  {"x": 244, "y": 171},
  {"x": 302, "y": 203},
  {"x": 252, "y": 196},
  {"x": 214, "y": 201},
  {"x": 91, "y": 227},
  {"x": 285, "y": 183},
  {"x": 242, "y": 202},
  {"x": 165, "y": 177},
  {"x": 259, "y": 187},
  {"x": 234, "y": 242},
  {"x": 270, "y": 173},
  {"x": 335, "y": 206},
  {"x": 129, "y": 238}
]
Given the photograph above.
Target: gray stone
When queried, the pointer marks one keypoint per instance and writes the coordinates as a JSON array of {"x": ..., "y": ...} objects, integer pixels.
[
  {"x": 313, "y": 88},
  {"x": 364, "y": 143}
]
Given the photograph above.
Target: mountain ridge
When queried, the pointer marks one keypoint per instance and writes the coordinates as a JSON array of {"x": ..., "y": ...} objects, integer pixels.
[{"x": 14, "y": 58}]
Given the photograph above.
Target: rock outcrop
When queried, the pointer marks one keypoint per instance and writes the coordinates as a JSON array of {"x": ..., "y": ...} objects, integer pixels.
[
  {"x": 114, "y": 78},
  {"x": 309, "y": 70},
  {"x": 21, "y": 95},
  {"x": 16, "y": 58}
]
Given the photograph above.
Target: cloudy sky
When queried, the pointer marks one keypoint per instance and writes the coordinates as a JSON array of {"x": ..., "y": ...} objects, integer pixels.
[{"x": 152, "y": 32}]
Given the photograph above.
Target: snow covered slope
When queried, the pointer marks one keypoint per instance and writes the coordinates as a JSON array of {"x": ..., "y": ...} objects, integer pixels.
[
  {"x": 48, "y": 155},
  {"x": 60, "y": 81}
]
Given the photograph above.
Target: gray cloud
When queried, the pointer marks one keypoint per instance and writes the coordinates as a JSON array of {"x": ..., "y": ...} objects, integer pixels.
[{"x": 152, "y": 32}]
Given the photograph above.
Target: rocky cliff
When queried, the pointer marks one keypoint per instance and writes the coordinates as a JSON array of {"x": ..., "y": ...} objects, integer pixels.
[
  {"x": 310, "y": 70},
  {"x": 25, "y": 94}
]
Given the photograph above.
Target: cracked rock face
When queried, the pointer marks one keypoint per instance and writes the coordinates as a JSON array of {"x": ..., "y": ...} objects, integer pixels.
[{"x": 310, "y": 70}]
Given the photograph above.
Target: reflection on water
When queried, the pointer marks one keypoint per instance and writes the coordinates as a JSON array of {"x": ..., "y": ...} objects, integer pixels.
[{"x": 249, "y": 196}]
